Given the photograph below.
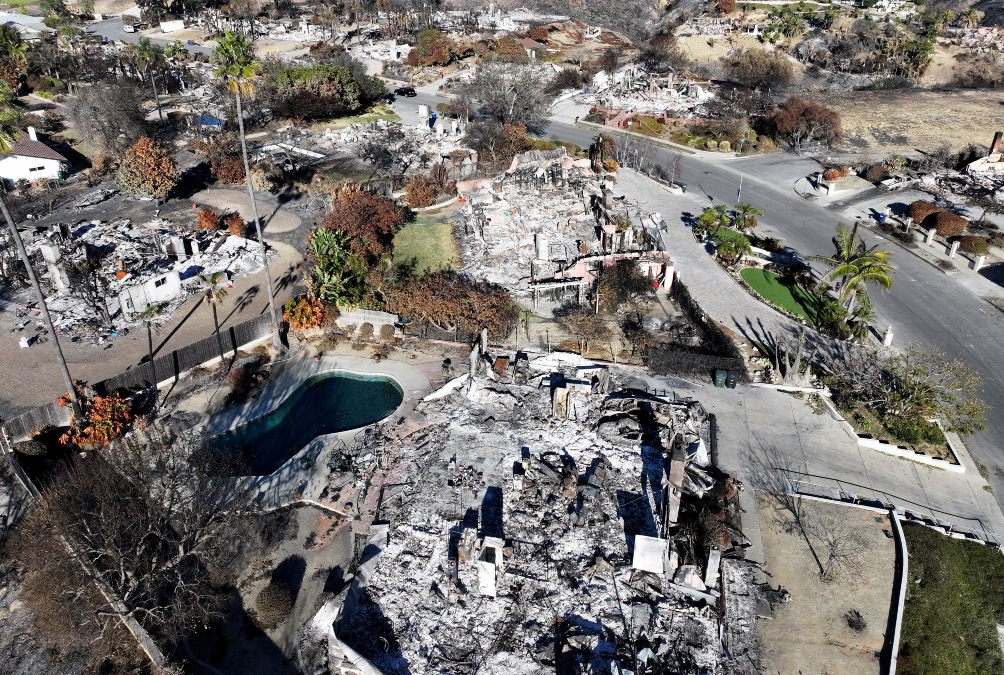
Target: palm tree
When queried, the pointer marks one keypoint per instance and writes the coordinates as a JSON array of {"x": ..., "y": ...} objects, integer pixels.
[
  {"x": 971, "y": 18},
  {"x": 148, "y": 56},
  {"x": 214, "y": 295},
  {"x": 7, "y": 139},
  {"x": 713, "y": 219},
  {"x": 855, "y": 266},
  {"x": 235, "y": 64},
  {"x": 746, "y": 216},
  {"x": 734, "y": 249},
  {"x": 859, "y": 321}
]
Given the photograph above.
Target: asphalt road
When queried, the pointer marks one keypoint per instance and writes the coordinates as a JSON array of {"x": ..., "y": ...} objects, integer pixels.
[
  {"x": 112, "y": 29},
  {"x": 924, "y": 306}
]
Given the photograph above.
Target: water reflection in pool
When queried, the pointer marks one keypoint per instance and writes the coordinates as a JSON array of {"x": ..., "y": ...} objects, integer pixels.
[{"x": 323, "y": 404}]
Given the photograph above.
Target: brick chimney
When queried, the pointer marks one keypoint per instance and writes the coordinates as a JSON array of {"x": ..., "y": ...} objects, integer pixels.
[{"x": 31, "y": 134}]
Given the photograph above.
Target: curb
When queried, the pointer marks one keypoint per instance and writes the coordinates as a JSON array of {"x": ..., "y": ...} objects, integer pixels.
[
  {"x": 657, "y": 141},
  {"x": 900, "y": 584},
  {"x": 893, "y": 450}
]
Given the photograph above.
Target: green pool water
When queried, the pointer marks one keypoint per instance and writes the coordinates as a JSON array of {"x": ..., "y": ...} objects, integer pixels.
[{"x": 323, "y": 404}]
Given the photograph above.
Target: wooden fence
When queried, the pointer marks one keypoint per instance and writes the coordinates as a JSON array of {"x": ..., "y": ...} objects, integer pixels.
[
  {"x": 172, "y": 365},
  {"x": 162, "y": 369}
]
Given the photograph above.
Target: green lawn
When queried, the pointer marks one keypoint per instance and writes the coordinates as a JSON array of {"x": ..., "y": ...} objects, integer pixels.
[
  {"x": 794, "y": 299},
  {"x": 430, "y": 244},
  {"x": 372, "y": 115},
  {"x": 949, "y": 623}
]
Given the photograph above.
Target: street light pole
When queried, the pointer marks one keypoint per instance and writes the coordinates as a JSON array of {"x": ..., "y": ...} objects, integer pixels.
[{"x": 739, "y": 192}]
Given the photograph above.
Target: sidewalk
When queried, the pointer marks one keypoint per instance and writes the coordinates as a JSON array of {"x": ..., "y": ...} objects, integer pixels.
[
  {"x": 863, "y": 212},
  {"x": 716, "y": 292}
]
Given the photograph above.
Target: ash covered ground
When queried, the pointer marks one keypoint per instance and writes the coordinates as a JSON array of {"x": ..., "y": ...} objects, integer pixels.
[{"x": 550, "y": 517}]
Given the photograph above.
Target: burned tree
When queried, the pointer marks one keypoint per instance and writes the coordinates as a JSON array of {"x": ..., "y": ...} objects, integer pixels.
[{"x": 154, "y": 519}]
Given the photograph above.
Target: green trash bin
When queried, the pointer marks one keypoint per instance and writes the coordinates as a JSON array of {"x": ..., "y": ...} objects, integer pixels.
[
  {"x": 720, "y": 376},
  {"x": 682, "y": 186}
]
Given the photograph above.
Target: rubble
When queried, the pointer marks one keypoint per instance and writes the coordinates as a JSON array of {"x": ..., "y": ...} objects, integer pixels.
[
  {"x": 633, "y": 91},
  {"x": 134, "y": 267},
  {"x": 529, "y": 538},
  {"x": 548, "y": 224}
]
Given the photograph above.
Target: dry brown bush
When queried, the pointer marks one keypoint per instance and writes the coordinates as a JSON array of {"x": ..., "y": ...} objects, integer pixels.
[
  {"x": 207, "y": 219},
  {"x": 421, "y": 192},
  {"x": 947, "y": 224},
  {"x": 235, "y": 225},
  {"x": 972, "y": 243},
  {"x": 919, "y": 210}
]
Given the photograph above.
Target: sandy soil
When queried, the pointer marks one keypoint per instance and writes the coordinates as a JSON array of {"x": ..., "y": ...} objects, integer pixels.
[
  {"x": 110, "y": 7},
  {"x": 942, "y": 69},
  {"x": 810, "y": 633},
  {"x": 910, "y": 120},
  {"x": 266, "y": 47}
]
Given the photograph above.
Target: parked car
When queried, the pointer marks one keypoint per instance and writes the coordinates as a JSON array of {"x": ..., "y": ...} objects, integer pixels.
[{"x": 406, "y": 91}]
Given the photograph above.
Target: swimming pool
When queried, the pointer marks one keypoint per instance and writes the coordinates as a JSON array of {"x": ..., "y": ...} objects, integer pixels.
[{"x": 324, "y": 404}]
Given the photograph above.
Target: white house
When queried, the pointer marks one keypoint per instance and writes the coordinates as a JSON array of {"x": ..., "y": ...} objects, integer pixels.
[
  {"x": 30, "y": 159},
  {"x": 135, "y": 300}
]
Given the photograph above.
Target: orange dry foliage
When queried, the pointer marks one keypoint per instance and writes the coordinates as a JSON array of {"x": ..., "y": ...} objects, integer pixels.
[
  {"x": 303, "y": 313},
  {"x": 420, "y": 192},
  {"x": 207, "y": 219},
  {"x": 105, "y": 418},
  {"x": 148, "y": 169},
  {"x": 836, "y": 173},
  {"x": 227, "y": 168},
  {"x": 235, "y": 225},
  {"x": 370, "y": 220}
]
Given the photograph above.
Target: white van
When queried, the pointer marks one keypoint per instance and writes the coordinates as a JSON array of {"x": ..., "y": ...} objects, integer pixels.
[{"x": 129, "y": 28}]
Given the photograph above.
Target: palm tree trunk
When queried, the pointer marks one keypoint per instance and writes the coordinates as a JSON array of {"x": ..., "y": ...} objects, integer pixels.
[
  {"x": 276, "y": 342},
  {"x": 216, "y": 324},
  {"x": 60, "y": 359}
]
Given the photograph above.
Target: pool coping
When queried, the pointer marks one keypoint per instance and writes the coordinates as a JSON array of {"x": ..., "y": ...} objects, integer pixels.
[{"x": 294, "y": 373}]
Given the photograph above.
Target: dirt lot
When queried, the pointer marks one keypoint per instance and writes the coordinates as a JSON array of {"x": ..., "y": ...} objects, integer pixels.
[
  {"x": 911, "y": 120},
  {"x": 810, "y": 634}
]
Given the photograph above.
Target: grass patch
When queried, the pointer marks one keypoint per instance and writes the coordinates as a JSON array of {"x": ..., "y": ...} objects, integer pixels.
[
  {"x": 429, "y": 244},
  {"x": 374, "y": 114},
  {"x": 949, "y": 623},
  {"x": 789, "y": 297}
]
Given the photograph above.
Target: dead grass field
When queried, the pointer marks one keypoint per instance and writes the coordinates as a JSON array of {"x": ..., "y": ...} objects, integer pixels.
[
  {"x": 911, "y": 120},
  {"x": 810, "y": 633}
]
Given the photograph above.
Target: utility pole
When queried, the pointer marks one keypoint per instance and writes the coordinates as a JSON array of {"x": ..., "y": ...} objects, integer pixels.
[
  {"x": 739, "y": 192},
  {"x": 67, "y": 380}
]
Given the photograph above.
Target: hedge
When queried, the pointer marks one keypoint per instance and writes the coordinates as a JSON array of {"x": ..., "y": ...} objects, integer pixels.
[
  {"x": 919, "y": 210},
  {"x": 972, "y": 243},
  {"x": 947, "y": 224}
]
